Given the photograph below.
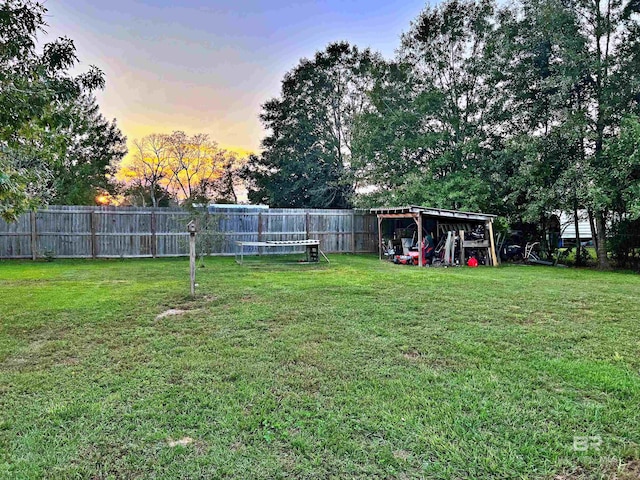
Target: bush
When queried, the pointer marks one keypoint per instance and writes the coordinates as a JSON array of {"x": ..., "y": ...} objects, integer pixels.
[{"x": 624, "y": 243}]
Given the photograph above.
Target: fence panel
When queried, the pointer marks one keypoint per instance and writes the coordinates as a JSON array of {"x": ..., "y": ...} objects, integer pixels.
[
  {"x": 171, "y": 235},
  {"x": 15, "y": 238},
  {"x": 284, "y": 225},
  {"x": 65, "y": 234},
  {"x": 111, "y": 232},
  {"x": 366, "y": 233}
]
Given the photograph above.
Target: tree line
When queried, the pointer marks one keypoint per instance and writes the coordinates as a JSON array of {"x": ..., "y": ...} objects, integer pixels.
[{"x": 518, "y": 110}]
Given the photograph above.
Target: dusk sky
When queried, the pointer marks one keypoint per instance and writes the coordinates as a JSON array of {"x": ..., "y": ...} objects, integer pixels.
[{"x": 207, "y": 66}]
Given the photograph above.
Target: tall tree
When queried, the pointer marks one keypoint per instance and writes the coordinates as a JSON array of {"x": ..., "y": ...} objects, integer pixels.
[
  {"x": 610, "y": 29},
  {"x": 567, "y": 73},
  {"x": 508, "y": 112},
  {"x": 429, "y": 108},
  {"x": 146, "y": 172},
  {"x": 196, "y": 163},
  {"x": 623, "y": 156},
  {"x": 225, "y": 187},
  {"x": 307, "y": 155},
  {"x": 35, "y": 88},
  {"x": 88, "y": 159},
  {"x": 185, "y": 168},
  {"x": 536, "y": 67}
]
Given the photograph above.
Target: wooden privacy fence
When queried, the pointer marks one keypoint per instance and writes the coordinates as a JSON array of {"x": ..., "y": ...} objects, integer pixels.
[{"x": 108, "y": 232}]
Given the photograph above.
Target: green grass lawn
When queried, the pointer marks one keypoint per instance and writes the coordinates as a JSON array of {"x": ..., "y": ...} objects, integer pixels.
[{"x": 361, "y": 369}]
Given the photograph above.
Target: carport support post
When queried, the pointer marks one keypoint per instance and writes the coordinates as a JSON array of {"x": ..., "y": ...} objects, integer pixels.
[
  {"x": 380, "y": 236},
  {"x": 420, "y": 259},
  {"x": 492, "y": 244}
]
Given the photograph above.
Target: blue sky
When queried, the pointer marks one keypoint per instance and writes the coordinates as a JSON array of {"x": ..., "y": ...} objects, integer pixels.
[{"x": 207, "y": 66}]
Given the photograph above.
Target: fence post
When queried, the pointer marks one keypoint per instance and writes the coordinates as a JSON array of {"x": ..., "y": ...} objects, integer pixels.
[
  {"x": 94, "y": 245},
  {"x": 34, "y": 236},
  {"x": 154, "y": 246},
  {"x": 307, "y": 224}
]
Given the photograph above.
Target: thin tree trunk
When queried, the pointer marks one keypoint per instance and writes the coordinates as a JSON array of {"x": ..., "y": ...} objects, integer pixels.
[
  {"x": 592, "y": 225},
  {"x": 601, "y": 83},
  {"x": 544, "y": 244},
  {"x": 603, "y": 260},
  {"x": 576, "y": 225},
  {"x": 154, "y": 200},
  {"x": 231, "y": 188}
]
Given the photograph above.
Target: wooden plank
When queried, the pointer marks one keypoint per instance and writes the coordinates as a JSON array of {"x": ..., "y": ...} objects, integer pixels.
[
  {"x": 64, "y": 234},
  {"x": 494, "y": 260},
  {"x": 260, "y": 228},
  {"x": 123, "y": 212},
  {"x": 94, "y": 240},
  {"x": 397, "y": 215},
  {"x": 154, "y": 239},
  {"x": 476, "y": 243},
  {"x": 34, "y": 236},
  {"x": 353, "y": 232}
]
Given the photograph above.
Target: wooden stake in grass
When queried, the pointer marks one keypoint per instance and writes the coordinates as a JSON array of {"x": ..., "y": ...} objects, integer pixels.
[{"x": 191, "y": 228}]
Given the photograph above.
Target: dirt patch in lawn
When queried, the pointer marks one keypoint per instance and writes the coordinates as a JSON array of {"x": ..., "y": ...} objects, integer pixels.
[
  {"x": 172, "y": 312},
  {"x": 412, "y": 354},
  {"x": 182, "y": 442},
  {"x": 613, "y": 470},
  {"x": 47, "y": 346}
]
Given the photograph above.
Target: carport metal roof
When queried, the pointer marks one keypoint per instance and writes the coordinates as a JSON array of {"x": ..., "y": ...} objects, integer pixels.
[{"x": 415, "y": 210}]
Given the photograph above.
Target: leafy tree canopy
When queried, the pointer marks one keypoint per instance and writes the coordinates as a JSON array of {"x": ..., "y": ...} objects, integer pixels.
[
  {"x": 186, "y": 169},
  {"x": 307, "y": 155},
  {"x": 45, "y": 112},
  {"x": 519, "y": 110}
]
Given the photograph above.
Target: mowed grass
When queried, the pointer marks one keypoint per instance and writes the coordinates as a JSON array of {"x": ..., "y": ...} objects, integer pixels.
[{"x": 359, "y": 369}]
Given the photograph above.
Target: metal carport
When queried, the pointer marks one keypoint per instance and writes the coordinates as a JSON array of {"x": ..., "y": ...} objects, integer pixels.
[{"x": 417, "y": 213}]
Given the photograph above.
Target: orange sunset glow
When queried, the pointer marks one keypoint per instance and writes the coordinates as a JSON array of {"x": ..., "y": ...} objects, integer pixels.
[{"x": 209, "y": 66}]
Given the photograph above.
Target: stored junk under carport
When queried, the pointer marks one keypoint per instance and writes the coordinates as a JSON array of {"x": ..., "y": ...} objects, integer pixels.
[{"x": 441, "y": 237}]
